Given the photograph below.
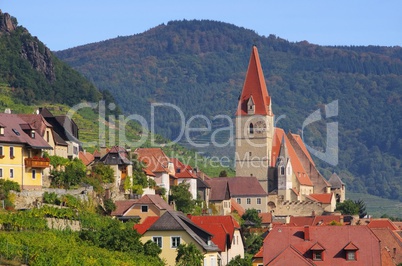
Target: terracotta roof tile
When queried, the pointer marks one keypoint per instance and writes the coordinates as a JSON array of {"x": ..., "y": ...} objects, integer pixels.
[
  {"x": 234, "y": 206},
  {"x": 323, "y": 198},
  {"x": 266, "y": 217},
  {"x": 155, "y": 159},
  {"x": 146, "y": 224},
  {"x": 182, "y": 170},
  {"x": 382, "y": 223},
  {"x": 122, "y": 206},
  {"x": 86, "y": 157}
]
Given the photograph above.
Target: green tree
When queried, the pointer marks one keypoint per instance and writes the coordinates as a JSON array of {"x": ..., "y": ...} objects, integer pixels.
[
  {"x": 182, "y": 197},
  {"x": 348, "y": 207},
  {"x": 223, "y": 173},
  {"x": 103, "y": 172},
  {"x": 189, "y": 255},
  {"x": 239, "y": 261},
  {"x": 152, "y": 249},
  {"x": 252, "y": 216}
]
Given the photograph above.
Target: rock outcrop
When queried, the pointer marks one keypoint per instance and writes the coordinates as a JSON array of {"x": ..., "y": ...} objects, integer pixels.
[{"x": 7, "y": 23}]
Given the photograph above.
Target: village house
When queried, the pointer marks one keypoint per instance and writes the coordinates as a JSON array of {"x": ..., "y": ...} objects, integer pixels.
[
  {"x": 174, "y": 228},
  {"x": 21, "y": 152},
  {"x": 226, "y": 235}
]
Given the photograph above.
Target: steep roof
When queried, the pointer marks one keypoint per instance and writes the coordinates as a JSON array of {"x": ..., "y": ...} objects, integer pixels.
[
  {"x": 14, "y": 132},
  {"x": 37, "y": 122},
  {"x": 314, "y": 220},
  {"x": 290, "y": 256},
  {"x": 86, "y": 157},
  {"x": 146, "y": 224},
  {"x": 298, "y": 170},
  {"x": 182, "y": 170},
  {"x": 221, "y": 227},
  {"x": 254, "y": 88},
  {"x": 382, "y": 223},
  {"x": 333, "y": 238},
  {"x": 234, "y": 206},
  {"x": 116, "y": 156},
  {"x": 335, "y": 181},
  {"x": 244, "y": 186},
  {"x": 266, "y": 217},
  {"x": 219, "y": 189},
  {"x": 177, "y": 221},
  {"x": 155, "y": 159}
]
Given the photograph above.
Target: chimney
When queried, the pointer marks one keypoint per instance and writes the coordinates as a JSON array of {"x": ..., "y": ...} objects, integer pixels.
[{"x": 306, "y": 233}]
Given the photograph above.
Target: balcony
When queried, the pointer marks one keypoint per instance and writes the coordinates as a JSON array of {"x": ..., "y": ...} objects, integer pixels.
[{"x": 37, "y": 162}]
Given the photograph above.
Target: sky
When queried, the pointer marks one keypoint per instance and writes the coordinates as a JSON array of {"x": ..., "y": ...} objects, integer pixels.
[{"x": 66, "y": 24}]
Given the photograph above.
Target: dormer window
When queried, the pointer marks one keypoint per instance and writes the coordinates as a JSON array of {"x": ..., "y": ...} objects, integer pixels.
[
  {"x": 351, "y": 251},
  {"x": 1, "y": 131},
  {"x": 318, "y": 252},
  {"x": 32, "y": 134},
  {"x": 250, "y": 106},
  {"x": 317, "y": 255}
]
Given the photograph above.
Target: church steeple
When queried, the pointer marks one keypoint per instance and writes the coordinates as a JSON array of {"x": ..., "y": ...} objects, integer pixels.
[{"x": 254, "y": 87}]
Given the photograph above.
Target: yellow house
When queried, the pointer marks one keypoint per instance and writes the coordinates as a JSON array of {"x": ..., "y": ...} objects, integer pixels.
[
  {"x": 174, "y": 228},
  {"x": 21, "y": 150}
]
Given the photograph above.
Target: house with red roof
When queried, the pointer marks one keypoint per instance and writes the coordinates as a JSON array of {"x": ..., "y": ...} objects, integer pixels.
[
  {"x": 322, "y": 245},
  {"x": 185, "y": 173},
  {"x": 279, "y": 161},
  {"x": 226, "y": 235}
]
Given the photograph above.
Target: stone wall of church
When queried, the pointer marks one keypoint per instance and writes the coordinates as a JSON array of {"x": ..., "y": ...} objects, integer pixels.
[{"x": 295, "y": 208}]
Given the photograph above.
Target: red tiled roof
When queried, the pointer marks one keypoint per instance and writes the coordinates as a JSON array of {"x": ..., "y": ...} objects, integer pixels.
[
  {"x": 390, "y": 240},
  {"x": 266, "y": 217},
  {"x": 97, "y": 153},
  {"x": 297, "y": 167},
  {"x": 323, "y": 198},
  {"x": 86, "y": 157},
  {"x": 314, "y": 220},
  {"x": 382, "y": 223},
  {"x": 182, "y": 170},
  {"x": 303, "y": 147},
  {"x": 155, "y": 159},
  {"x": 144, "y": 226},
  {"x": 290, "y": 256},
  {"x": 254, "y": 87},
  {"x": 234, "y": 206},
  {"x": 219, "y": 226},
  {"x": 260, "y": 253},
  {"x": 333, "y": 238}
]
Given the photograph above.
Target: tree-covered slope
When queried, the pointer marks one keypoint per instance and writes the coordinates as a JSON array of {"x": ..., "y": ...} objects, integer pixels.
[{"x": 199, "y": 66}]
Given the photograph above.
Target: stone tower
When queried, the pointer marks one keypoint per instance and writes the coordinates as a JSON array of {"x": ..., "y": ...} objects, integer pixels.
[{"x": 254, "y": 125}]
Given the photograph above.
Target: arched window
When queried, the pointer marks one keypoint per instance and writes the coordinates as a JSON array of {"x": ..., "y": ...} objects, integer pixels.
[{"x": 251, "y": 128}]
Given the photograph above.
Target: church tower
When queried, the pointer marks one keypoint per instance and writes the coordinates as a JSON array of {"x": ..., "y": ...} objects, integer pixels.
[{"x": 254, "y": 125}]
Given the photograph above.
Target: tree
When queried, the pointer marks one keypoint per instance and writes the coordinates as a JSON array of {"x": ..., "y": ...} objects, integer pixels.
[
  {"x": 239, "y": 261},
  {"x": 103, "y": 173},
  {"x": 348, "y": 207},
  {"x": 223, "y": 173},
  {"x": 252, "y": 216},
  {"x": 182, "y": 197},
  {"x": 152, "y": 249},
  {"x": 362, "y": 208},
  {"x": 189, "y": 255}
]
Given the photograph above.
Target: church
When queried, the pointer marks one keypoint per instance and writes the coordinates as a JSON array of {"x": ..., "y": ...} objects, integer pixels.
[{"x": 279, "y": 160}]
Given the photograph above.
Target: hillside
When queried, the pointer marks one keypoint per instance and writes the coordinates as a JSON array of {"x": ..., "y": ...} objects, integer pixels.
[{"x": 199, "y": 66}]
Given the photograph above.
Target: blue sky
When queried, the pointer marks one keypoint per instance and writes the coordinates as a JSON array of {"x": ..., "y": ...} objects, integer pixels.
[{"x": 66, "y": 24}]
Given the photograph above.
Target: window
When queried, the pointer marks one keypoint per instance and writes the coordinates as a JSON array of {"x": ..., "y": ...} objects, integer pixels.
[
  {"x": 248, "y": 201},
  {"x": 157, "y": 240},
  {"x": 251, "y": 128},
  {"x": 175, "y": 241},
  {"x": 258, "y": 200},
  {"x": 33, "y": 173},
  {"x": 1, "y": 173},
  {"x": 12, "y": 152},
  {"x": 144, "y": 208},
  {"x": 317, "y": 255},
  {"x": 47, "y": 136},
  {"x": 1, "y": 131},
  {"x": 11, "y": 173},
  {"x": 351, "y": 255},
  {"x": 1, "y": 152},
  {"x": 282, "y": 170},
  {"x": 258, "y": 211},
  {"x": 238, "y": 200},
  {"x": 33, "y": 134}
]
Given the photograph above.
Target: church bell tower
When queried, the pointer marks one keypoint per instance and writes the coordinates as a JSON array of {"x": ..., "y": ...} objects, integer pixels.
[{"x": 254, "y": 125}]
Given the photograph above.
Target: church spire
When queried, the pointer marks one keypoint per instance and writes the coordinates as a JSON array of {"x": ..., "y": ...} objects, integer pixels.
[{"x": 255, "y": 87}]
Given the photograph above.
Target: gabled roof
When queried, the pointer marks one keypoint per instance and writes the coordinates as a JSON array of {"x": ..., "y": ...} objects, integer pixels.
[
  {"x": 14, "y": 133},
  {"x": 314, "y": 220},
  {"x": 219, "y": 189},
  {"x": 182, "y": 170},
  {"x": 335, "y": 181},
  {"x": 266, "y": 217},
  {"x": 122, "y": 206},
  {"x": 323, "y": 198},
  {"x": 298, "y": 170},
  {"x": 290, "y": 256},
  {"x": 156, "y": 200},
  {"x": 155, "y": 159},
  {"x": 221, "y": 226},
  {"x": 177, "y": 221},
  {"x": 351, "y": 246},
  {"x": 146, "y": 224},
  {"x": 244, "y": 186},
  {"x": 116, "y": 156},
  {"x": 255, "y": 87},
  {"x": 37, "y": 122}
]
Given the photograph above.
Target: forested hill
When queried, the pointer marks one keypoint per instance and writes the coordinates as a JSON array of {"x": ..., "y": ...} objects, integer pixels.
[
  {"x": 34, "y": 75},
  {"x": 200, "y": 67}
]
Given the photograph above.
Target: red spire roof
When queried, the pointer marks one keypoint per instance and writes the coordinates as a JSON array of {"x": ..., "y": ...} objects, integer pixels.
[{"x": 255, "y": 87}]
